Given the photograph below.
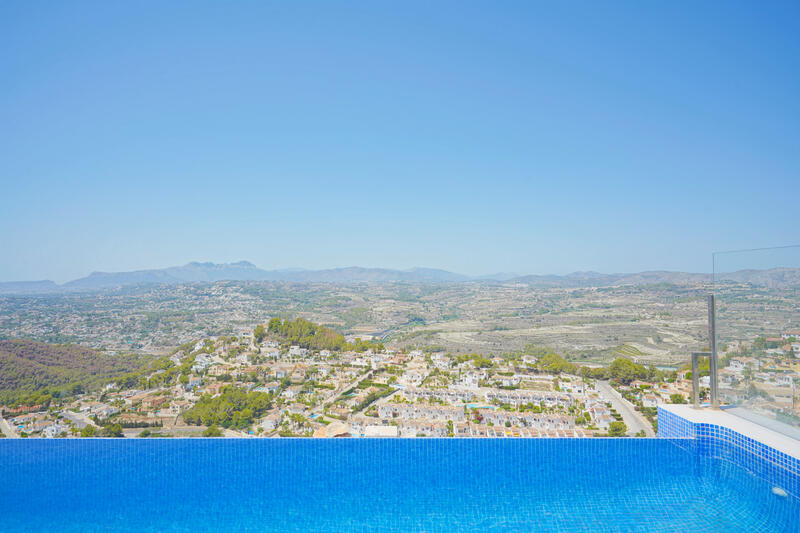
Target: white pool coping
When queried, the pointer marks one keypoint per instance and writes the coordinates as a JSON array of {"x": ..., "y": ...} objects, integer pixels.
[{"x": 764, "y": 435}]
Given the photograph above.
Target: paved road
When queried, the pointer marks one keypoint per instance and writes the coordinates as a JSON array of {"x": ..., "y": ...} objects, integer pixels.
[
  {"x": 319, "y": 409},
  {"x": 7, "y": 430},
  {"x": 80, "y": 419},
  {"x": 632, "y": 418}
]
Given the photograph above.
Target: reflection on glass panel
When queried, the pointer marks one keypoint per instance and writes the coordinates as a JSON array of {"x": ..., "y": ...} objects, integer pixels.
[{"x": 758, "y": 331}]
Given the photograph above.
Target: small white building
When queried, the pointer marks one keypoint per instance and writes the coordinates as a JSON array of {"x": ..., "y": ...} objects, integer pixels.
[
  {"x": 53, "y": 431},
  {"x": 291, "y": 392},
  {"x": 271, "y": 422},
  {"x": 604, "y": 421},
  {"x": 381, "y": 431},
  {"x": 737, "y": 365},
  {"x": 650, "y": 400},
  {"x": 508, "y": 381},
  {"x": 296, "y": 351}
]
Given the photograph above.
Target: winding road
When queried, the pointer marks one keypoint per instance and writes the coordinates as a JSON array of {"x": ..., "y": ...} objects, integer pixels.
[{"x": 633, "y": 419}]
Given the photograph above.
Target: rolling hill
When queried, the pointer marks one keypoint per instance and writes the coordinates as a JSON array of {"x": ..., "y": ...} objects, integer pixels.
[{"x": 27, "y": 365}]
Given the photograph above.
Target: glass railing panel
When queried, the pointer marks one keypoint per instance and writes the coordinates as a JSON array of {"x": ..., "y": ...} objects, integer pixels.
[{"x": 758, "y": 334}]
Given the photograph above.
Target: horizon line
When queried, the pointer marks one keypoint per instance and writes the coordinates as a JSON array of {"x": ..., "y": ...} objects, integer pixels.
[{"x": 478, "y": 277}]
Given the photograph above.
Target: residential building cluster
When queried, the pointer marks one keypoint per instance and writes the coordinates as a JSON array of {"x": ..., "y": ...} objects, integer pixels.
[{"x": 389, "y": 393}]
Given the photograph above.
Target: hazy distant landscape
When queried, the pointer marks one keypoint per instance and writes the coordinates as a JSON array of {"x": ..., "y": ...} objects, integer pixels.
[
  {"x": 247, "y": 271},
  {"x": 651, "y": 317}
]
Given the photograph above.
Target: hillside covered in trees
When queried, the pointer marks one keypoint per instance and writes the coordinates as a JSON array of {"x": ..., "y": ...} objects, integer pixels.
[
  {"x": 234, "y": 408},
  {"x": 35, "y": 369},
  {"x": 306, "y": 334}
]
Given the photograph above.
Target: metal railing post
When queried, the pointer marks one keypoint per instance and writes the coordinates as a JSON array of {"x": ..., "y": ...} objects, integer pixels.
[
  {"x": 712, "y": 344},
  {"x": 695, "y": 382}
]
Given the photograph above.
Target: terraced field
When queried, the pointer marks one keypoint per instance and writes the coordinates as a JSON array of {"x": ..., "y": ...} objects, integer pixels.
[{"x": 660, "y": 324}]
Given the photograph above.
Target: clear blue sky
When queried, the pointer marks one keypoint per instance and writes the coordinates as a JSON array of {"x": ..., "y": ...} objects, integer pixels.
[{"x": 477, "y": 137}]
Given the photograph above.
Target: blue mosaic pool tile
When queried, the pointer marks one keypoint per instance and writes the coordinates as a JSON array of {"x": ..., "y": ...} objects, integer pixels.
[
  {"x": 384, "y": 485},
  {"x": 711, "y": 440}
]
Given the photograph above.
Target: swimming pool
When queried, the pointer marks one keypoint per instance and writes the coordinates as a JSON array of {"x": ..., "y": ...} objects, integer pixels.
[{"x": 431, "y": 485}]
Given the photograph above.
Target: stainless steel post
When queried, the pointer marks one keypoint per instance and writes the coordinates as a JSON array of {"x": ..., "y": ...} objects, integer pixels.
[
  {"x": 712, "y": 344},
  {"x": 695, "y": 383}
]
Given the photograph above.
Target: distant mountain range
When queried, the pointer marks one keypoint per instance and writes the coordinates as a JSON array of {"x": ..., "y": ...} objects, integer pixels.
[
  {"x": 240, "y": 271},
  {"x": 246, "y": 271}
]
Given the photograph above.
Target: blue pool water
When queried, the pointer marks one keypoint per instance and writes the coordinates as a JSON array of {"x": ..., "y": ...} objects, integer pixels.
[{"x": 436, "y": 485}]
